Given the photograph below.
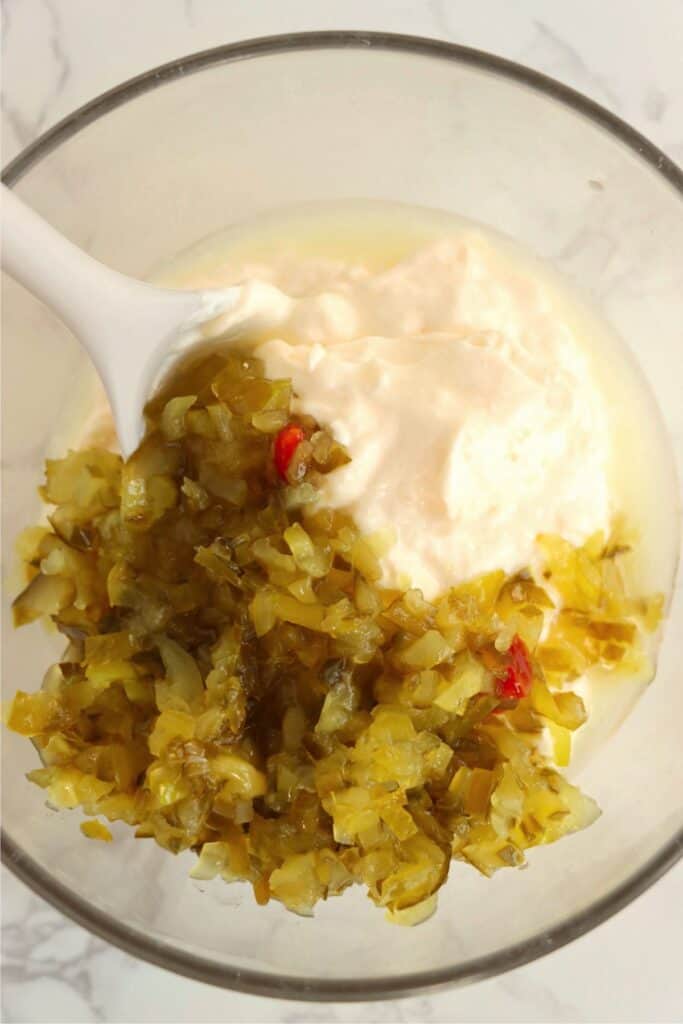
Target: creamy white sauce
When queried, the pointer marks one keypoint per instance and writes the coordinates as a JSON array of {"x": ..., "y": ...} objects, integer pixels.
[
  {"x": 471, "y": 415},
  {"x": 481, "y": 401}
]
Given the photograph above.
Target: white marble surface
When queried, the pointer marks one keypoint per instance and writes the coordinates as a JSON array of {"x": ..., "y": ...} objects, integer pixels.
[{"x": 626, "y": 54}]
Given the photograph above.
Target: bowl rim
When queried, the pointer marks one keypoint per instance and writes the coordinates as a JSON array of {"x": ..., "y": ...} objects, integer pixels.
[{"x": 341, "y": 989}]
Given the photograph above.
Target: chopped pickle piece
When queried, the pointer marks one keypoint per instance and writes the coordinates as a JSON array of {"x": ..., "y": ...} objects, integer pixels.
[
  {"x": 31, "y": 713},
  {"x": 172, "y": 421},
  {"x": 44, "y": 596},
  {"x": 410, "y": 916},
  {"x": 96, "y": 830},
  {"x": 239, "y": 682}
]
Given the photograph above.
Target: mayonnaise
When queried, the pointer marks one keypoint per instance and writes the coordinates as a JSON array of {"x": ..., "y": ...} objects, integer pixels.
[
  {"x": 473, "y": 420},
  {"x": 470, "y": 411}
]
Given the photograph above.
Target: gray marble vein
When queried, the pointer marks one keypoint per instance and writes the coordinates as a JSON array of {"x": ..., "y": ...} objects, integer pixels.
[{"x": 568, "y": 64}]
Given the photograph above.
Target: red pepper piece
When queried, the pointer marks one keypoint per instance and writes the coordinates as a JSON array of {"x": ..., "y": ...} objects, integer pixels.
[
  {"x": 516, "y": 682},
  {"x": 286, "y": 443}
]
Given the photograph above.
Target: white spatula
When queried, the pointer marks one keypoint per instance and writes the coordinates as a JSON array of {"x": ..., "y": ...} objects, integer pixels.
[{"x": 132, "y": 331}]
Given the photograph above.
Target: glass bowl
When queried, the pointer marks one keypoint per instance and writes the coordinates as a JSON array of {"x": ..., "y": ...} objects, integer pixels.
[{"x": 151, "y": 167}]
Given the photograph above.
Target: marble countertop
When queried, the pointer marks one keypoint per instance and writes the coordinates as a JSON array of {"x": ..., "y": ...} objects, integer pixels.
[{"x": 626, "y": 55}]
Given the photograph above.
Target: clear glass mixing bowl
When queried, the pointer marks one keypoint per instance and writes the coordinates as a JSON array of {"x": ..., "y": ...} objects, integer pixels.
[{"x": 171, "y": 156}]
